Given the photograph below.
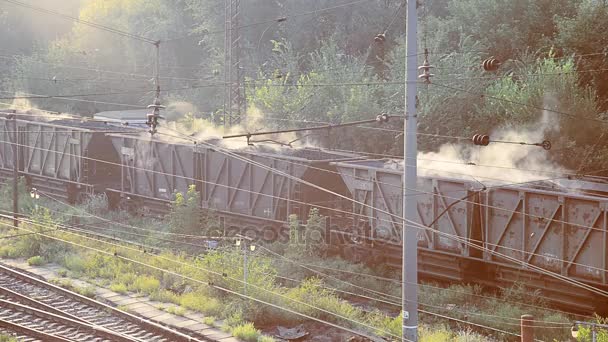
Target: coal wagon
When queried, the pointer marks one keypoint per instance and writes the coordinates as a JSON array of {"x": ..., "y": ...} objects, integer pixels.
[
  {"x": 500, "y": 236},
  {"x": 245, "y": 186},
  {"x": 64, "y": 157}
]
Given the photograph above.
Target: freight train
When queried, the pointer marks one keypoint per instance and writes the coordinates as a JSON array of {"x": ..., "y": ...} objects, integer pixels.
[{"x": 497, "y": 236}]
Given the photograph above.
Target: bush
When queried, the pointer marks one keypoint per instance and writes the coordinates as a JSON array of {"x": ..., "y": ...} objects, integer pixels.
[
  {"x": 166, "y": 296},
  {"x": 87, "y": 291},
  {"x": 198, "y": 302},
  {"x": 176, "y": 310},
  {"x": 145, "y": 284},
  {"x": 246, "y": 332},
  {"x": 9, "y": 252},
  {"x": 210, "y": 320},
  {"x": 74, "y": 263},
  {"x": 36, "y": 261},
  {"x": 119, "y": 288},
  {"x": 7, "y": 338}
]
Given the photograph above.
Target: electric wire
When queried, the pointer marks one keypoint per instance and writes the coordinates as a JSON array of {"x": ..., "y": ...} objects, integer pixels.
[
  {"x": 268, "y": 21},
  {"x": 420, "y": 226},
  {"x": 517, "y": 250},
  {"x": 181, "y": 242},
  {"x": 427, "y": 312},
  {"x": 214, "y": 273},
  {"x": 84, "y": 22},
  {"x": 207, "y": 248},
  {"x": 390, "y": 215},
  {"x": 464, "y": 241}
]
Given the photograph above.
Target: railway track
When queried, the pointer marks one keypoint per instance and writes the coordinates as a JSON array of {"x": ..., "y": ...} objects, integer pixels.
[{"x": 36, "y": 310}]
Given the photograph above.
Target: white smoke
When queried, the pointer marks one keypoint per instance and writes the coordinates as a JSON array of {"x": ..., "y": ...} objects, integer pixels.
[
  {"x": 184, "y": 125},
  {"x": 498, "y": 162}
]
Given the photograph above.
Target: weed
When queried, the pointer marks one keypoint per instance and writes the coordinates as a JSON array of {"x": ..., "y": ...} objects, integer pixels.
[
  {"x": 74, "y": 263},
  {"x": 145, "y": 284},
  {"x": 36, "y": 261},
  {"x": 62, "y": 273},
  {"x": 65, "y": 283},
  {"x": 209, "y": 320},
  {"x": 246, "y": 332},
  {"x": 7, "y": 338},
  {"x": 176, "y": 310},
  {"x": 118, "y": 288},
  {"x": 198, "y": 302},
  {"x": 8, "y": 252},
  {"x": 87, "y": 291}
]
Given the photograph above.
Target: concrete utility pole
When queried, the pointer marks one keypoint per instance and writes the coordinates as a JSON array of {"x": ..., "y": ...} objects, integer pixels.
[
  {"x": 15, "y": 173},
  {"x": 410, "y": 150}
]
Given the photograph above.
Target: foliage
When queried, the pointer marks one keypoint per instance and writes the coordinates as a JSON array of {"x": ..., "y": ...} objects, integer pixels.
[
  {"x": 246, "y": 332},
  {"x": 145, "y": 284},
  {"x": 582, "y": 35},
  {"x": 209, "y": 320},
  {"x": 176, "y": 310},
  {"x": 200, "y": 302},
  {"x": 187, "y": 216},
  {"x": 7, "y": 338},
  {"x": 36, "y": 261},
  {"x": 119, "y": 288}
]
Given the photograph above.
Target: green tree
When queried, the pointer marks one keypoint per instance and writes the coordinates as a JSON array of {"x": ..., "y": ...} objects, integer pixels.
[
  {"x": 583, "y": 35},
  {"x": 188, "y": 217}
]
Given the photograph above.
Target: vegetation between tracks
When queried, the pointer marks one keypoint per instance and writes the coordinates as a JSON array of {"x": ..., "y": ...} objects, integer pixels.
[{"x": 271, "y": 279}]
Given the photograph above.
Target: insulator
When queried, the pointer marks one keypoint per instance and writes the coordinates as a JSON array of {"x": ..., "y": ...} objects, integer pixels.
[
  {"x": 481, "y": 140},
  {"x": 426, "y": 70},
  {"x": 491, "y": 64},
  {"x": 426, "y": 77}
]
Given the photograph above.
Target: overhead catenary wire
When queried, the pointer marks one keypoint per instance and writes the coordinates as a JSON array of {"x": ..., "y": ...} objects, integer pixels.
[
  {"x": 213, "y": 285},
  {"x": 391, "y": 215},
  {"x": 272, "y": 20},
  {"x": 419, "y": 226},
  {"x": 155, "y": 247},
  {"x": 181, "y": 242},
  {"x": 84, "y": 22},
  {"x": 212, "y": 272}
]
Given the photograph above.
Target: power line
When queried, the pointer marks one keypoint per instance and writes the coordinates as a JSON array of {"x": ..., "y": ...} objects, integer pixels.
[
  {"x": 210, "y": 272},
  {"x": 273, "y": 20},
  {"x": 570, "y": 115},
  {"x": 419, "y": 226},
  {"x": 153, "y": 171},
  {"x": 84, "y": 22}
]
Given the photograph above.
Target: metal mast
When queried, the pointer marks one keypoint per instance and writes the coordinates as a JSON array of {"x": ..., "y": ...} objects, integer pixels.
[
  {"x": 410, "y": 150},
  {"x": 234, "y": 96}
]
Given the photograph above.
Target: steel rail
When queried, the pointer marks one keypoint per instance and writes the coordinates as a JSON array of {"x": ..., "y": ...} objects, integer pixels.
[
  {"x": 145, "y": 324},
  {"x": 61, "y": 320}
]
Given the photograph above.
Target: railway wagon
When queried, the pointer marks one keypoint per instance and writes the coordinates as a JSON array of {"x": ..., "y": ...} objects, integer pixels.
[
  {"x": 498, "y": 236},
  {"x": 64, "y": 157},
  {"x": 377, "y": 184},
  {"x": 564, "y": 233},
  {"x": 245, "y": 186}
]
